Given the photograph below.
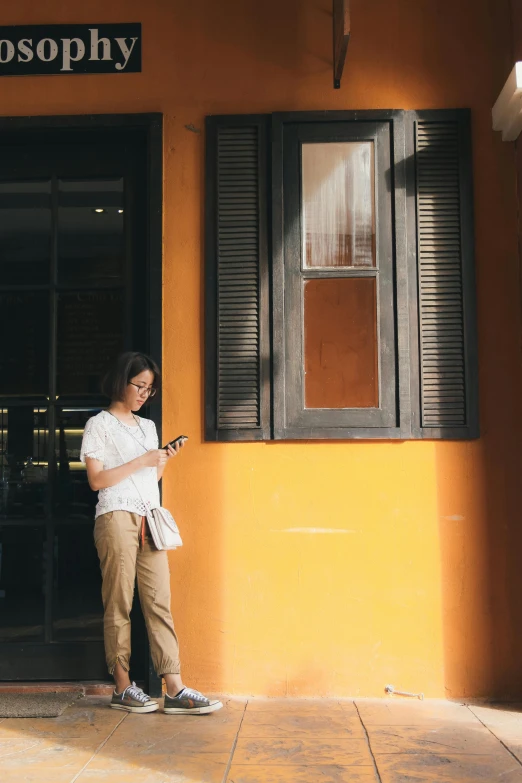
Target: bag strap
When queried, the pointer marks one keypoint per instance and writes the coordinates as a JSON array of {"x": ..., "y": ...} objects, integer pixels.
[{"x": 130, "y": 433}]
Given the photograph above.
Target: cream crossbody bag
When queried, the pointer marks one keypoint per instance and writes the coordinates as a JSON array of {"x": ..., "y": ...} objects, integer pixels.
[{"x": 162, "y": 526}]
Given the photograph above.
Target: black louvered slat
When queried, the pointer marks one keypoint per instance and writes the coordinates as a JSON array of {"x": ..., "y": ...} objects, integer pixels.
[
  {"x": 238, "y": 360},
  {"x": 443, "y": 372}
]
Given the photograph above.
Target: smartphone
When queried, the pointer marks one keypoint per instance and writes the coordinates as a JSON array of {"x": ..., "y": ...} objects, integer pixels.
[{"x": 177, "y": 441}]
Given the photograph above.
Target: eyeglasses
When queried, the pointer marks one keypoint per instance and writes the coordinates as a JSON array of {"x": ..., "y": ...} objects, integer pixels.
[{"x": 144, "y": 391}]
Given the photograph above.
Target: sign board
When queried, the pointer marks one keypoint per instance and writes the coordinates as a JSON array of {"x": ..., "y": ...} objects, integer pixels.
[{"x": 70, "y": 48}]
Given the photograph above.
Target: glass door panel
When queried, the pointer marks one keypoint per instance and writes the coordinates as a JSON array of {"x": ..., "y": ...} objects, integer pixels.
[
  {"x": 73, "y": 498},
  {"x": 22, "y": 582},
  {"x": 24, "y": 463},
  {"x": 91, "y": 241},
  {"x": 25, "y": 232},
  {"x": 24, "y": 338},
  {"x": 72, "y": 239},
  {"x": 77, "y": 604},
  {"x": 91, "y": 329}
]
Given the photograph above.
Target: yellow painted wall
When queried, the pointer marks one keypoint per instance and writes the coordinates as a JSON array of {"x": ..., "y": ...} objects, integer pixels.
[{"x": 327, "y": 568}]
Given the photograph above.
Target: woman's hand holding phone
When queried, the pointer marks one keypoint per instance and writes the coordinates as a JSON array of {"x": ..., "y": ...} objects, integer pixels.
[
  {"x": 155, "y": 458},
  {"x": 158, "y": 458},
  {"x": 174, "y": 446}
]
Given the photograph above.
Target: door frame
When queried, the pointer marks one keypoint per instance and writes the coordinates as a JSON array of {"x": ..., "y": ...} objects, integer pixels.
[{"x": 151, "y": 126}]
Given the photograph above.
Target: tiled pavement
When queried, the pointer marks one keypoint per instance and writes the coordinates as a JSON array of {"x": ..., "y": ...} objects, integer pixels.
[{"x": 269, "y": 741}]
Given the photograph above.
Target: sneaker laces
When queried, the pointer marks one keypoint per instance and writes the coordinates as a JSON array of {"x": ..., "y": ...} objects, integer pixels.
[
  {"x": 135, "y": 693},
  {"x": 191, "y": 694}
]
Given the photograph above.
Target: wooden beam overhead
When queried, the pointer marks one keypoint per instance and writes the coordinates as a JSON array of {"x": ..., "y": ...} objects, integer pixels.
[{"x": 341, "y": 36}]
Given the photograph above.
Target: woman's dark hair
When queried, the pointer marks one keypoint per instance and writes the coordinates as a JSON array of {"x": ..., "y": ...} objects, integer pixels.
[{"x": 126, "y": 367}]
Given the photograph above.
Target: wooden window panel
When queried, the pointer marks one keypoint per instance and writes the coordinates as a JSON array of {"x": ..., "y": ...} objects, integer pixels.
[
  {"x": 299, "y": 420},
  {"x": 237, "y": 389}
]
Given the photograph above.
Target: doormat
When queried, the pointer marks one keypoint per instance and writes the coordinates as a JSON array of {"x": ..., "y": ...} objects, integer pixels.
[{"x": 35, "y": 705}]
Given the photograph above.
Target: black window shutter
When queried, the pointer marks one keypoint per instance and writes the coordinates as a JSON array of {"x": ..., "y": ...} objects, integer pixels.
[
  {"x": 237, "y": 387},
  {"x": 448, "y": 377}
]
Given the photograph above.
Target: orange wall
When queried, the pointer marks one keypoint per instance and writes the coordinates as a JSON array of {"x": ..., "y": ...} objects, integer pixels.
[{"x": 327, "y": 568}]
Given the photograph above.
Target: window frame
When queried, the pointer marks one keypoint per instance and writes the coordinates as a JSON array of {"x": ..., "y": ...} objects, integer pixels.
[
  {"x": 283, "y": 428},
  {"x": 297, "y": 416}
]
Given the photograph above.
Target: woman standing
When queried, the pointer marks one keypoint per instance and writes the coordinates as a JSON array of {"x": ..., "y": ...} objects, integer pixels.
[{"x": 117, "y": 445}]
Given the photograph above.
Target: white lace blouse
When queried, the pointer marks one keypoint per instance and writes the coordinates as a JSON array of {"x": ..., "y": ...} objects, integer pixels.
[{"x": 102, "y": 433}]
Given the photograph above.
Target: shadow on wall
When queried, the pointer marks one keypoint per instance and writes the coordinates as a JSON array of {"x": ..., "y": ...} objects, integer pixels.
[
  {"x": 479, "y": 483},
  {"x": 480, "y": 544},
  {"x": 194, "y": 488},
  {"x": 196, "y": 569}
]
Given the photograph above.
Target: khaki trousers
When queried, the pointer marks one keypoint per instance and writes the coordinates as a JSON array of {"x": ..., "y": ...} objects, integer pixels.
[{"x": 126, "y": 556}]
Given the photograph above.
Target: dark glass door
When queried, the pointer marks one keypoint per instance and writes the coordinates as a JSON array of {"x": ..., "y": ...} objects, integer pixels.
[{"x": 73, "y": 293}]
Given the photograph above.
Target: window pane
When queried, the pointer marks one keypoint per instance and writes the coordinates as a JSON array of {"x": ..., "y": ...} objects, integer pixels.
[
  {"x": 25, "y": 232},
  {"x": 340, "y": 343},
  {"x": 24, "y": 458},
  {"x": 22, "y": 596},
  {"x": 338, "y": 204},
  {"x": 74, "y": 500},
  {"x": 90, "y": 336},
  {"x": 24, "y": 337},
  {"x": 90, "y": 230},
  {"x": 77, "y": 604}
]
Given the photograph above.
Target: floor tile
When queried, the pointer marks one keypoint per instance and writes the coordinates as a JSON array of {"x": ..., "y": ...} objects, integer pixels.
[
  {"x": 302, "y": 706},
  {"x": 302, "y": 751},
  {"x": 204, "y": 728},
  {"x": 229, "y": 702},
  {"x": 292, "y": 774},
  {"x": 99, "y": 703},
  {"x": 87, "y": 720},
  {"x": 153, "y": 742},
  {"x": 231, "y": 714},
  {"x": 156, "y": 762},
  {"x": 498, "y": 714},
  {"x": 156, "y": 750},
  {"x": 505, "y": 723},
  {"x": 425, "y": 768},
  {"x": 212, "y": 722},
  {"x": 161, "y": 727},
  {"x": 512, "y": 739},
  {"x": 39, "y": 753},
  {"x": 502, "y": 721},
  {"x": 140, "y": 776},
  {"x": 445, "y": 738},
  {"x": 48, "y": 775},
  {"x": 151, "y": 728},
  {"x": 385, "y": 712},
  {"x": 510, "y": 736},
  {"x": 269, "y": 724},
  {"x": 187, "y": 743},
  {"x": 200, "y": 768}
]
